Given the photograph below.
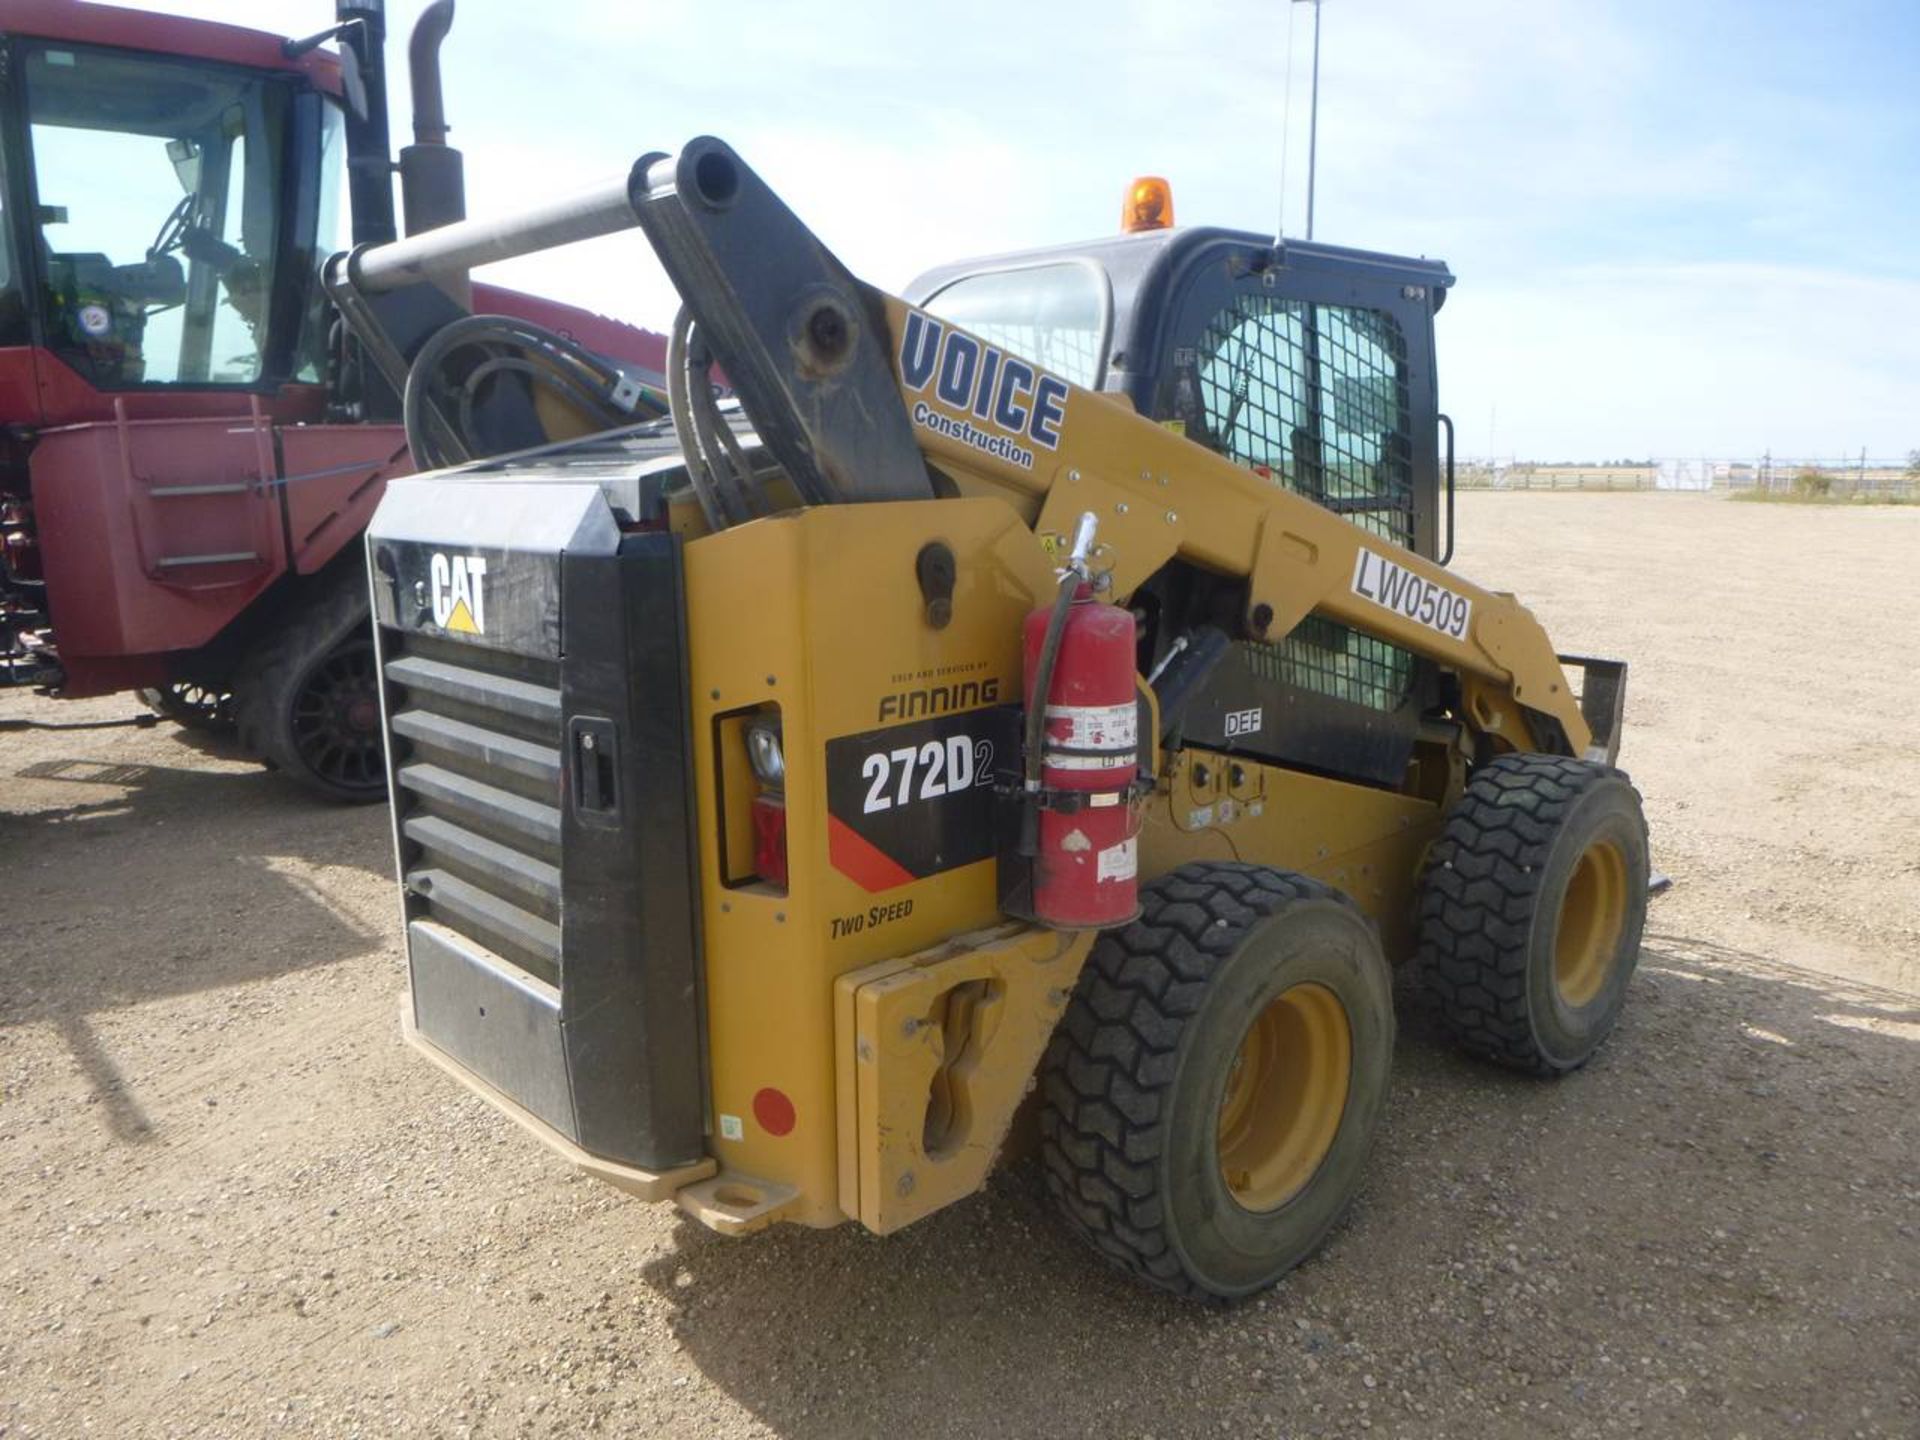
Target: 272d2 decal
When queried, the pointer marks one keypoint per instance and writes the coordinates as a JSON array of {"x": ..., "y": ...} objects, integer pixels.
[{"x": 910, "y": 801}]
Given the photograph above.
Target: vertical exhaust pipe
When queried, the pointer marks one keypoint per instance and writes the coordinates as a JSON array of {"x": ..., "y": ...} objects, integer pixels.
[
  {"x": 433, "y": 184},
  {"x": 369, "y": 145},
  {"x": 423, "y": 64}
]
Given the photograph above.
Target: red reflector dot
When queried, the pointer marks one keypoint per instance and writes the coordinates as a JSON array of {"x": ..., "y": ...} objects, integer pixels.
[{"x": 773, "y": 1110}]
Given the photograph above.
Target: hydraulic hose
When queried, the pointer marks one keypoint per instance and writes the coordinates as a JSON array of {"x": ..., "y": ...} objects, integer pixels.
[
  {"x": 723, "y": 477},
  {"x": 1072, "y": 578},
  {"x": 1188, "y": 665},
  {"x": 680, "y": 407},
  {"x": 547, "y": 360}
]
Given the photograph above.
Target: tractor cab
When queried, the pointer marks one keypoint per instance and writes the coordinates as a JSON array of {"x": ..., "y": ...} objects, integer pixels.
[{"x": 169, "y": 188}]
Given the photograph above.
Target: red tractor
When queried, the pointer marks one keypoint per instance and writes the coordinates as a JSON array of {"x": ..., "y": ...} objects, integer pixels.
[{"x": 192, "y": 444}]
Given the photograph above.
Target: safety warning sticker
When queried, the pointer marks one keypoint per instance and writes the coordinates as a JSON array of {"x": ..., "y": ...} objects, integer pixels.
[
  {"x": 1118, "y": 862},
  {"x": 1094, "y": 727}
]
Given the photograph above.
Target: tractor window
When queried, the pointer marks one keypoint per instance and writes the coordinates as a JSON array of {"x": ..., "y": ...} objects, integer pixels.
[
  {"x": 331, "y": 238},
  {"x": 14, "y": 326},
  {"x": 1314, "y": 397},
  {"x": 159, "y": 197},
  {"x": 1057, "y": 316}
]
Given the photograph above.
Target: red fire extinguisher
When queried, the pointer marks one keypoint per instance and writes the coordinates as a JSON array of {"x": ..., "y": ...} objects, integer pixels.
[{"x": 1081, "y": 652}]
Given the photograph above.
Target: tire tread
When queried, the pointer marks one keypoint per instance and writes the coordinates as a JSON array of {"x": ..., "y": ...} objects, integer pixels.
[
  {"x": 1478, "y": 897},
  {"x": 1110, "y": 1065}
]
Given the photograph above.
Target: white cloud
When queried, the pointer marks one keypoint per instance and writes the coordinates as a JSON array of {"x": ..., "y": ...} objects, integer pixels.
[{"x": 1653, "y": 255}]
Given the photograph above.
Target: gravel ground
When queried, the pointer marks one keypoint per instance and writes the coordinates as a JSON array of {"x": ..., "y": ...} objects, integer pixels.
[{"x": 232, "y": 1203}]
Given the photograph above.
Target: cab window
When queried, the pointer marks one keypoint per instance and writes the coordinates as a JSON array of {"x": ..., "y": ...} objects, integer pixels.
[
  {"x": 1054, "y": 315},
  {"x": 1315, "y": 398},
  {"x": 15, "y": 328},
  {"x": 159, "y": 198},
  {"x": 331, "y": 237}
]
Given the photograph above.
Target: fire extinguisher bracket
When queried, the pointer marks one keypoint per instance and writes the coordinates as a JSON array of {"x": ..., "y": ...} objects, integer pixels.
[
  {"x": 1017, "y": 812},
  {"x": 1070, "y": 802}
]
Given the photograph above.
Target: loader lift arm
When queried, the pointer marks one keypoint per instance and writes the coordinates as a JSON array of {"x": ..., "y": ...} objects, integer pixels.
[{"x": 821, "y": 362}]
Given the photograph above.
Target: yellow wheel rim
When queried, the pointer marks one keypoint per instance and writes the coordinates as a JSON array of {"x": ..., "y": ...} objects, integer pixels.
[
  {"x": 1285, "y": 1096},
  {"x": 1587, "y": 938}
]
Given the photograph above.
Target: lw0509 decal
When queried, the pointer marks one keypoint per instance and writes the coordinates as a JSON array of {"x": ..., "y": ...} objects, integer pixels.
[
  {"x": 1396, "y": 588},
  {"x": 1016, "y": 404}
]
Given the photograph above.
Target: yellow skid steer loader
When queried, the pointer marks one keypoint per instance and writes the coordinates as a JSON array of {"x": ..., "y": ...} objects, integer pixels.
[{"x": 1046, "y": 691}]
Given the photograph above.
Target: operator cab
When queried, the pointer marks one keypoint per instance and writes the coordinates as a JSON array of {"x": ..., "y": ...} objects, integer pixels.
[
  {"x": 164, "y": 215},
  {"x": 1310, "y": 364},
  {"x": 1313, "y": 366}
]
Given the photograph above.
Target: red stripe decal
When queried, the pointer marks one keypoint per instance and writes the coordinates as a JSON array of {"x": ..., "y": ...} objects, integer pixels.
[{"x": 861, "y": 861}]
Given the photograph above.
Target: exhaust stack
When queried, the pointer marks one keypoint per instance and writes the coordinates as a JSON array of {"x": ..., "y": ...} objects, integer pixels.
[
  {"x": 363, "y": 40},
  {"x": 433, "y": 187}
]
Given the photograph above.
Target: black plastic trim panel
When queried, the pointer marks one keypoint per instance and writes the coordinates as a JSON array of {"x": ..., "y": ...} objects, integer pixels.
[{"x": 630, "y": 991}]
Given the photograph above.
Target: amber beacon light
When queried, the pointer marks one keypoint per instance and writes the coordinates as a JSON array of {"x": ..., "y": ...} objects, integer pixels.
[{"x": 1148, "y": 206}]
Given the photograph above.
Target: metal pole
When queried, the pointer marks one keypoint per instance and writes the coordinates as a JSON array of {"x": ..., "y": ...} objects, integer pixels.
[
  {"x": 452, "y": 250},
  {"x": 1286, "y": 125},
  {"x": 1313, "y": 123}
]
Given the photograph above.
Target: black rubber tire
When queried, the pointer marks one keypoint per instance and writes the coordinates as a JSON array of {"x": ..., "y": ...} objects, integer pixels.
[
  {"x": 308, "y": 693},
  {"x": 1490, "y": 903},
  {"x": 1132, "y": 1080}
]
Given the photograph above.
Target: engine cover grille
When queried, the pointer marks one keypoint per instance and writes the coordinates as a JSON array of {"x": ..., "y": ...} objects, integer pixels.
[
  {"x": 479, "y": 794},
  {"x": 539, "y": 758}
]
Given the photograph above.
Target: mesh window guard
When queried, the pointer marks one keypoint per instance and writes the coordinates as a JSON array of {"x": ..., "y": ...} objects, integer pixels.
[
  {"x": 1330, "y": 659},
  {"x": 1315, "y": 398}
]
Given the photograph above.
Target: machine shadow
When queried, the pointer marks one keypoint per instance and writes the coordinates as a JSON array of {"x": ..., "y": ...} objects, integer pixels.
[
  {"x": 131, "y": 905},
  {"x": 991, "y": 1309}
]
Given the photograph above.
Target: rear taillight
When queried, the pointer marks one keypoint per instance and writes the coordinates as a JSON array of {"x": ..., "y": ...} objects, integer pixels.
[
  {"x": 770, "y": 838},
  {"x": 769, "y": 762}
]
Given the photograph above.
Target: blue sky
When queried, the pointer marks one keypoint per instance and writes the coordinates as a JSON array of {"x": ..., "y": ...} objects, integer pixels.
[{"x": 1679, "y": 228}]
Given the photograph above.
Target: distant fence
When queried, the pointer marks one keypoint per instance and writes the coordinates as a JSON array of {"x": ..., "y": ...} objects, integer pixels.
[
  {"x": 1862, "y": 477},
  {"x": 1508, "y": 475}
]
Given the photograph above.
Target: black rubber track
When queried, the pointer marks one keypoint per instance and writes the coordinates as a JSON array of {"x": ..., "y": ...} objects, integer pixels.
[
  {"x": 192, "y": 707},
  {"x": 1111, "y": 1062},
  {"x": 1479, "y": 900},
  {"x": 332, "y": 616}
]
